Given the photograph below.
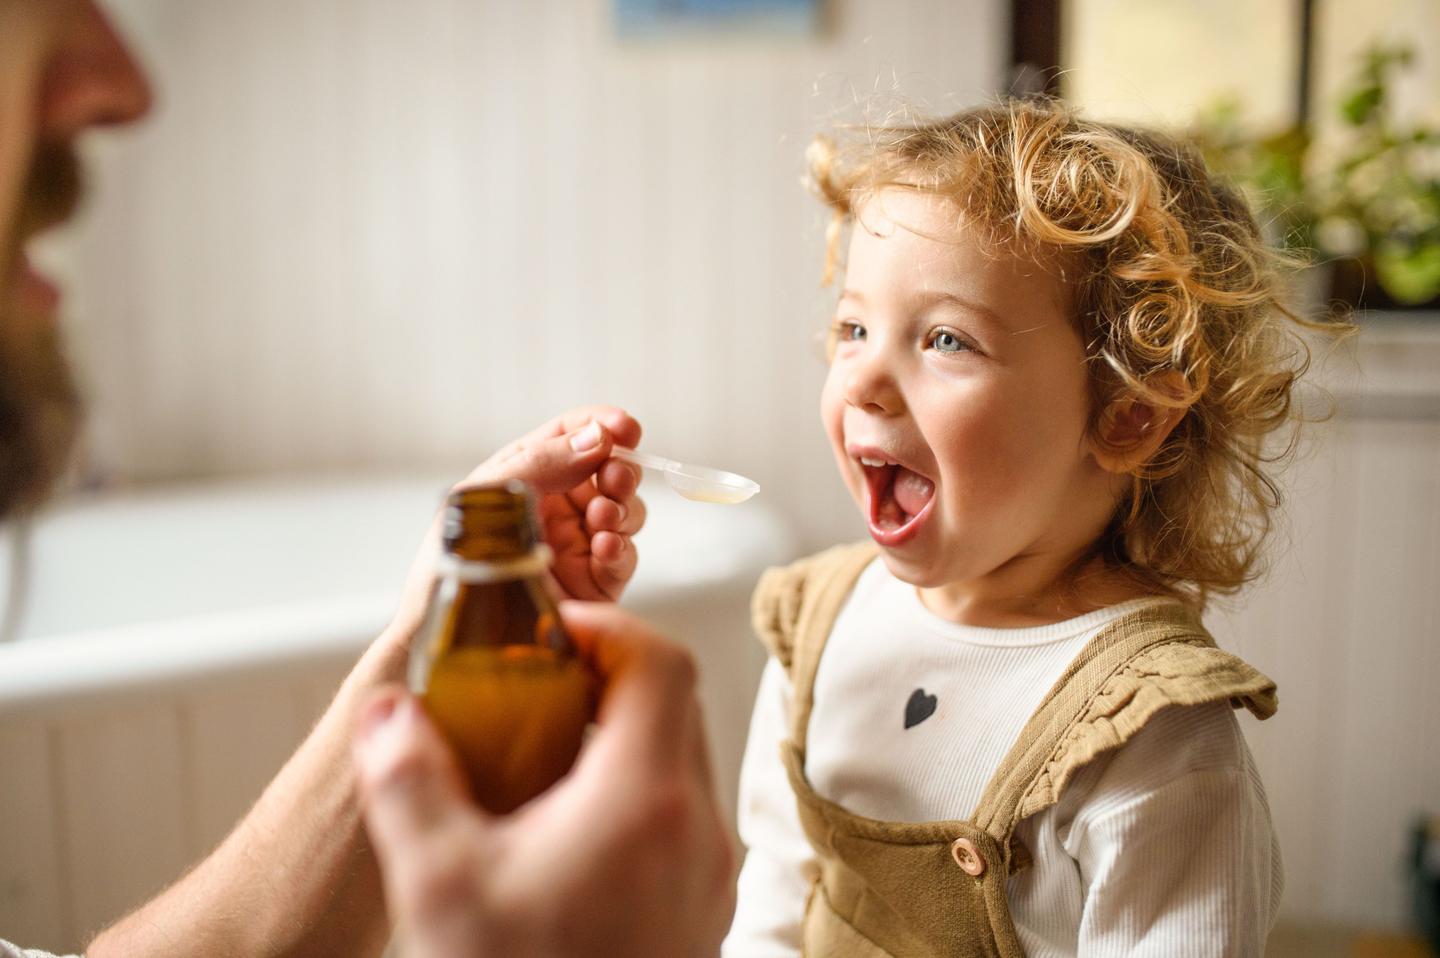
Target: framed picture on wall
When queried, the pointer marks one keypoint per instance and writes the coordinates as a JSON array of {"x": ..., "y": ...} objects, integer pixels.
[{"x": 663, "y": 18}]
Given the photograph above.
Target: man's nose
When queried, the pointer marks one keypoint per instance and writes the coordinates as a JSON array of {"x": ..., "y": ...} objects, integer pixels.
[
  {"x": 870, "y": 385},
  {"x": 93, "y": 80}
]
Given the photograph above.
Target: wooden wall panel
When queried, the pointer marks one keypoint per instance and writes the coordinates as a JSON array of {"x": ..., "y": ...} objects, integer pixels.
[
  {"x": 237, "y": 737},
  {"x": 1387, "y": 670},
  {"x": 1348, "y": 623},
  {"x": 1280, "y": 627},
  {"x": 33, "y": 905},
  {"x": 129, "y": 828}
]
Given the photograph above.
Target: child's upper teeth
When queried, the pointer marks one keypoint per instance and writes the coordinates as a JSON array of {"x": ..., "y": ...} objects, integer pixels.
[{"x": 867, "y": 461}]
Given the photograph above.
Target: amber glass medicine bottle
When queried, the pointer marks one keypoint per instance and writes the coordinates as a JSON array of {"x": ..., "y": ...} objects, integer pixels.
[{"x": 492, "y": 663}]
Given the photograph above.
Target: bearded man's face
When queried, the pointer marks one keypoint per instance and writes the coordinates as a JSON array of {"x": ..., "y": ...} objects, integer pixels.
[
  {"x": 63, "y": 71},
  {"x": 39, "y": 406}
]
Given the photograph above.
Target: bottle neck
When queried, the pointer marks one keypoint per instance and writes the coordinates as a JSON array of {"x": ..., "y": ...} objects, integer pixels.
[
  {"x": 535, "y": 562},
  {"x": 490, "y": 524}
]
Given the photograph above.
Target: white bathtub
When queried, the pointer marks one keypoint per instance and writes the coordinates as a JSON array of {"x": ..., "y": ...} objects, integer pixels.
[{"x": 175, "y": 645}]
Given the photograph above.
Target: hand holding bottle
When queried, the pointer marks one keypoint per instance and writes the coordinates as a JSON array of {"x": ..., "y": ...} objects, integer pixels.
[{"x": 627, "y": 855}]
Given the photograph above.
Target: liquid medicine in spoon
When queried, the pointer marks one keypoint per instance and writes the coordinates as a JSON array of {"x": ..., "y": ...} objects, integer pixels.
[{"x": 696, "y": 483}]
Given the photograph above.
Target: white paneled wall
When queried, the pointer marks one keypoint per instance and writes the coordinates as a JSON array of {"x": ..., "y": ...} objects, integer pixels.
[
  {"x": 105, "y": 804},
  {"x": 362, "y": 232},
  {"x": 1348, "y": 624}
]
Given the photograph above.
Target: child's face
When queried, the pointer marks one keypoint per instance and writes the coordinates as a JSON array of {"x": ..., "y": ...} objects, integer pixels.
[{"x": 956, "y": 404}]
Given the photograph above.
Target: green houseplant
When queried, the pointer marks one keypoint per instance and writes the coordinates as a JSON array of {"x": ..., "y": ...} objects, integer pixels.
[{"x": 1367, "y": 204}]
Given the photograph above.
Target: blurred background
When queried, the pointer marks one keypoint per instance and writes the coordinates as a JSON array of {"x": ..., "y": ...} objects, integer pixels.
[{"x": 362, "y": 243}]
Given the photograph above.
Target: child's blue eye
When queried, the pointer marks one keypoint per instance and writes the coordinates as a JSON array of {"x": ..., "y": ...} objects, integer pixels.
[
  {"x": 850, "y": 332},
  {"x": 944, "y": 341}
]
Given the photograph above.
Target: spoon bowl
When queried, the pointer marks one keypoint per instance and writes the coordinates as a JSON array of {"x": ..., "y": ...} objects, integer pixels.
[
  {"x": 696, "y": 483},
  {"x": 709, "y": 485}
]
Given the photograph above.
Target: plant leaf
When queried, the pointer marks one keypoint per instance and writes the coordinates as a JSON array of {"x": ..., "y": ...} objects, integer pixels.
[{"x": 1409, "y": 274}]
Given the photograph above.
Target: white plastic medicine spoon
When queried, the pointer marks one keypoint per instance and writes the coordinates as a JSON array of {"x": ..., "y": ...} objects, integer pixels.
[{"x": 694, "y": 482}]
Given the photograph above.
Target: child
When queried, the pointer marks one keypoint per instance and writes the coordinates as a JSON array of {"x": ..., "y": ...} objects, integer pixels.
[{"x": 1000, "y": 728}]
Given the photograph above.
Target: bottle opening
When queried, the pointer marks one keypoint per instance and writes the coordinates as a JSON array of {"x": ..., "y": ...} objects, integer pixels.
[{"x": 490, "y": 523}]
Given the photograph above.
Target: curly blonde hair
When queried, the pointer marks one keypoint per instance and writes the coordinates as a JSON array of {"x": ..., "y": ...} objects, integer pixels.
[{"x": 1178, "y": 299}]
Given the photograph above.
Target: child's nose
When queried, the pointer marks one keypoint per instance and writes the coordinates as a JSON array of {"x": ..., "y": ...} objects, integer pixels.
[{"x": 870, "y": 386}]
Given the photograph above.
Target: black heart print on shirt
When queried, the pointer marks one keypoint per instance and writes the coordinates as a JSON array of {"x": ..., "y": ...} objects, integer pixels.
[{"x": 919, "y": 708}]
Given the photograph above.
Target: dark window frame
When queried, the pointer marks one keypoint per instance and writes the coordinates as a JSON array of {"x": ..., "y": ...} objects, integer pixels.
[
  {"x": 1034, "y": 47},
  {"x": 1035, "y": 51}
]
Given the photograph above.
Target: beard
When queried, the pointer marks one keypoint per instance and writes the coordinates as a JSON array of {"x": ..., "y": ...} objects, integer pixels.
[{"x": 39, "y": 402}]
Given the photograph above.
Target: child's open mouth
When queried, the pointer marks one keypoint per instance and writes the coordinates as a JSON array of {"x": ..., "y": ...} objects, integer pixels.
[{"x": 900, "y": 500}]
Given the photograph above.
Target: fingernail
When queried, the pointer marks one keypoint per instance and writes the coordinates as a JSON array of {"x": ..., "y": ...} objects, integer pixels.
[
  {"x": 383, "y": 728},
  {"x": 374, "y": 714},
  {"x": 586, "y": 439}
]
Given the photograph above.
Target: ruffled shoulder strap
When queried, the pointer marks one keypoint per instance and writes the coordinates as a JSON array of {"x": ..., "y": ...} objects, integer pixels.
[
  {"x": 1148, "y": 660},
  {"x": 793, "y": 609},
  {"x": 786, "y": 594}
]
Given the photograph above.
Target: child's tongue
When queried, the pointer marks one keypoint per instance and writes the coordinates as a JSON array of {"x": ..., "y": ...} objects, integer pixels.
[
  {"x": 907, "y": 494},
  {"x": 912, "y": 490}
]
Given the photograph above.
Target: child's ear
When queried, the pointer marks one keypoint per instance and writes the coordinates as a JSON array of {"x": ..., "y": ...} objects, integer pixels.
[{"x": 1131, "y": 429}]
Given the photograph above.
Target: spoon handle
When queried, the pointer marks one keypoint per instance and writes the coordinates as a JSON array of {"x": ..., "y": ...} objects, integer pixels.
[{"x": 641, "y": 458}]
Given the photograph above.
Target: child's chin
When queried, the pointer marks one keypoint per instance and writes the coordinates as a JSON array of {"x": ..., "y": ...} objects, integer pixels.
[{"x": 913, "y": 571}]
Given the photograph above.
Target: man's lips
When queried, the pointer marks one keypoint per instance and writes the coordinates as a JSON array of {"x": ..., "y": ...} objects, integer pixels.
[
  {"x": 37, "y": 295},
  {"x": 51, "y": 195}
]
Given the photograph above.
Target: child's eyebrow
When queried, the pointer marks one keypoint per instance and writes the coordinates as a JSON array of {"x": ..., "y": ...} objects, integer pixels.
[
  {"x": 934, "y": 297},
  {"x": 938, "y": 296}
]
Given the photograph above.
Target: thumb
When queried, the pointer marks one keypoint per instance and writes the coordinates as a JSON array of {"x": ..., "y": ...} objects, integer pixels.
[
  {"x": 411, "y": 790},
  {"x": 560, "y": 462}
]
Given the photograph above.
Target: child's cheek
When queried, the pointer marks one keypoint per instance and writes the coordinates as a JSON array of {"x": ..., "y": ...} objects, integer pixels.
[
  {"x": 832, "y": 420},
  {"x": 987, "y": 463}
]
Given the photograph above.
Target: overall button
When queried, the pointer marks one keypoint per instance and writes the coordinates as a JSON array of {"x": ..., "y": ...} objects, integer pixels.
[{"x": 967, "y": 856}]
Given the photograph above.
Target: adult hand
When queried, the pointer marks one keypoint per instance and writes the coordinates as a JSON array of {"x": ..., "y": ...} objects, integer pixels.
[
  {"x": 587, "y": 505},
  {"x": 299, "y": 861},
  {"x": 627, "y": 855}
]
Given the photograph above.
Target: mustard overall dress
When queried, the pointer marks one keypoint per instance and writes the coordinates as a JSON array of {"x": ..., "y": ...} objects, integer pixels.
[{"x": 917, "y": 890}]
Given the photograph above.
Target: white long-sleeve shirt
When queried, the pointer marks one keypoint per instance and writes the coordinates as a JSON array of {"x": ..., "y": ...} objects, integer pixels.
[
  {"x": 1164, "y": 847},
  {"x": 7, "y": 950}
]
